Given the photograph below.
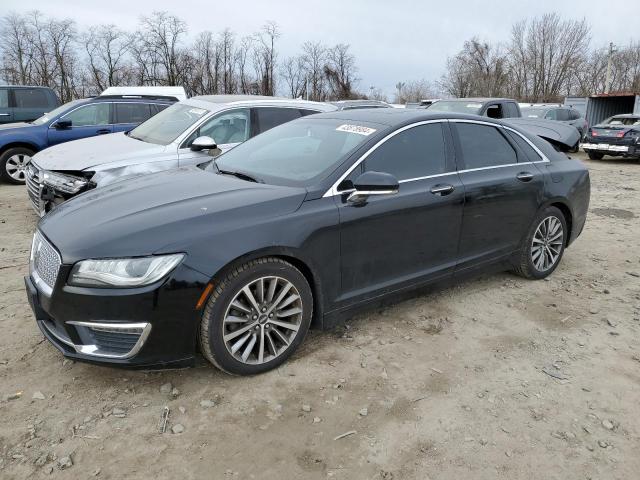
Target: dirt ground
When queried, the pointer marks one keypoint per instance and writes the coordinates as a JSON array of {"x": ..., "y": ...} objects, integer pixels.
[{"x": 497, "y": 378}]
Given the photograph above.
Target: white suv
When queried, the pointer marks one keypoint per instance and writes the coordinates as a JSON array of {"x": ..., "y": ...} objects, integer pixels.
[{"x": 183, "y": 134}]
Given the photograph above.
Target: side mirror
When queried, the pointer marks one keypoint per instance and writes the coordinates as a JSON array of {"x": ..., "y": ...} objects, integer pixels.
[
  {"x": 203, "y": 143},
  {"x": 373, "y": 183},
  {"x": 62, "y": 124}
]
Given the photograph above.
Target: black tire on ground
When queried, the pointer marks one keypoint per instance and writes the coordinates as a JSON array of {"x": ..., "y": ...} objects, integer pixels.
[
  {"x": 595, "y": 155},
  {"x": 5, "y": 156},
  {"x": 525, "y": 265},
  {"x": 212, "y": 328}
]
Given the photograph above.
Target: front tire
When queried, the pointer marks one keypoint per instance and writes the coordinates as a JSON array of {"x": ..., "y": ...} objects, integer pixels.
[
  {"x": 596, "y": 155},
  {"x": 256, "y": 317},
  {"x": 543, "y": 247},
  {"x": 13, "y": 164}
]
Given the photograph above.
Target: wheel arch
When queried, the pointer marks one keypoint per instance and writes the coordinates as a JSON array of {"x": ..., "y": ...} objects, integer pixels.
[
  {"x": 295, "y": 258},
  {"x": 22, "y": 144},
  {"x": 562, "y": 205}
]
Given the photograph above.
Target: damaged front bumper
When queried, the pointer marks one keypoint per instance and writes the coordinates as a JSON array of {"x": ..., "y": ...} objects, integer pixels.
[{"x": 46, "y": 190}]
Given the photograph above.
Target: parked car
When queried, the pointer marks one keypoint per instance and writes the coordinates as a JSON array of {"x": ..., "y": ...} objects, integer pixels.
[
  {"x": 618, "y": 136},
  {"x": 355, "y": 104},
  {"x": 183, "y": 134},
  {"x": 25, "y": 104},
  {"x": 487, "y": 107},
  {"x": 559, "y": 114},
  {"x": 299, "y": 225},
  {"x": 19, "y": 142}
]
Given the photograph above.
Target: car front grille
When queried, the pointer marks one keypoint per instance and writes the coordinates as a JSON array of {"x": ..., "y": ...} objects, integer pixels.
[
  {"x": 34, "y": 187},
  {"x": 45, "y": 260}
]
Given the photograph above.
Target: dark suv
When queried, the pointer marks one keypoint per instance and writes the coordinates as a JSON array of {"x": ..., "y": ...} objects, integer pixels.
[
  {"x": 25, "y": 104},
  {"x": 486, "y": 107},
  {"x": 72, "y": 121}
]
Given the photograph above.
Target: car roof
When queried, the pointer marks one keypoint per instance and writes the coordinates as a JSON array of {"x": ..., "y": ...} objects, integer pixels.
[
  {"x": 360, "y": 102},
  {"x": 397, "y": 116},
  {"x": 26, "y": 86},
  {"x": 626, "y": 115},
  {"x": 476, "y": 99},
  {"x": 217, "y": 102}
]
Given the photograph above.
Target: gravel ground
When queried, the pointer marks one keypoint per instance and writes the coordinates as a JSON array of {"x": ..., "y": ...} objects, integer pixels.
[{"x": 496, "y": 378}]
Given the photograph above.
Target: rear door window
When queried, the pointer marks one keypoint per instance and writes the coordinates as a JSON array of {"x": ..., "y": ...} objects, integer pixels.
[
  {"x": 511, "y": 110},
  {"x": 4, "y": 98},
  {"x": 269, "y": 117},
  {"x": 484, "y": 146},
  {"x": 551, "y": 115},
  {"x": 416, "y": 152},
  {"x": 562, "y": 114},
  {"x": 132, "y": 112}
]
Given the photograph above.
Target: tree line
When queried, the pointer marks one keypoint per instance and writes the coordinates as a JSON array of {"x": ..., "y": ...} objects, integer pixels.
[
  {"x": 46, "y": 51},
  {"x": 545, "y": 59}
]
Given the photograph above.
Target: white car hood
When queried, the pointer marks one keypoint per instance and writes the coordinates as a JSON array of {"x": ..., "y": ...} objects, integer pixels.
[{"x": 103, "y": 152}]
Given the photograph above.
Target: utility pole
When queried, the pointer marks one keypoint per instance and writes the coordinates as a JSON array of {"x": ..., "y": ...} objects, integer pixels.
[{"x": 612, "y": 50}]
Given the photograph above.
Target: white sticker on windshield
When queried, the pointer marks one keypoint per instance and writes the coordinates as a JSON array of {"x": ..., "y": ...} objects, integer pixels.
[
  {"x": 197, "y": 111},
  {"x": 359, "y": 129}
]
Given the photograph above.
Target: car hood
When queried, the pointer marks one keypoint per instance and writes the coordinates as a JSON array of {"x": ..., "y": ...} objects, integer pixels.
[
  {"x": 562, "y": 135},
  {"x": 161, "y": 212},
  {"x": 97, "y": 153},
  {"x": 17, "y": 125}
]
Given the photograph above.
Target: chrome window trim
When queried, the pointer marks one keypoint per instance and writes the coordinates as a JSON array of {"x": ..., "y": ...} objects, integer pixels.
[{"x": 334, "y": 188}]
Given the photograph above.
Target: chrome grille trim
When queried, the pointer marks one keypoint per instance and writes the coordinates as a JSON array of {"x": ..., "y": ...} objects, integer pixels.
[
  {"x": 141, "y": 330},
  {"x": 34, "y": 187},
  {"x": 44, "y": 264}
]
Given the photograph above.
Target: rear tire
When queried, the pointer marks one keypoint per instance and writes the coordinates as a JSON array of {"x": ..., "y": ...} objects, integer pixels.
[
  {"x": 595, "y": 155},
  {"x": 256, "y": 317},
  {"x": 543, "y": 247},
  {"x": 13, "y": 163}
]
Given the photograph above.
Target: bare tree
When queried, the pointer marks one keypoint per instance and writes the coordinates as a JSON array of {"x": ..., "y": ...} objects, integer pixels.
[
  {"x": 314, "y": 57},
  {"x": 340, "y": 71},
  {"x": 413, "y": 91},
  {"x": 293, "y": 73},
  {"x": 107, "y": 50}
]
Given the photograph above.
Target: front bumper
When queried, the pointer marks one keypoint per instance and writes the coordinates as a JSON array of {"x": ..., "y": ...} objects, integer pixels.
[{"x": 153, "y": 327}]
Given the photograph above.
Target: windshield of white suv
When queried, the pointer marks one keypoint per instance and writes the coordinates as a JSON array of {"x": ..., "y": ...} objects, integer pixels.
[
  {"x": 169, "y": 124},
  {"x": 459, "y": 106},
  {"x": 55, "y": 113},
  {"x": 297, "y": 152}
]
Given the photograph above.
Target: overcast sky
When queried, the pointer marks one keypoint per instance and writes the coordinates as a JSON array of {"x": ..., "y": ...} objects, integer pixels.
[{"x": 393, "y": 40}]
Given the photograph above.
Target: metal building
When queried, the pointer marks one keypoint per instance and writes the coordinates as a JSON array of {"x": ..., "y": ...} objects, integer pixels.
[{"x": 605, "y": 105}]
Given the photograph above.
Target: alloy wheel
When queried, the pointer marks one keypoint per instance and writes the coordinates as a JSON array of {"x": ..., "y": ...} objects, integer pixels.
[
  {"x": 16, "y": 166},
  {"x": 262, "y": 320},
  {"x": 547, "y": 243}
]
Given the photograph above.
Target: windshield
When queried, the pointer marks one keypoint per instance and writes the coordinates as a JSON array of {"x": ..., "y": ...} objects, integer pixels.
[
  {"x": 622, "y": 121},
  {"x": 298, "y": 152},
  {"x": 169, "y": 124},
  {"x": 533, "y": 112},
  {"x": 47, "y": 117},
  {"x": 456, "y": 106}
]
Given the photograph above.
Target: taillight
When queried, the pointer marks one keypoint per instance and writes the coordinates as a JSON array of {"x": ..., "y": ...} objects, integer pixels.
[
  {"x": 620, "y": 134},
  {"x": 592, "y": 133}
]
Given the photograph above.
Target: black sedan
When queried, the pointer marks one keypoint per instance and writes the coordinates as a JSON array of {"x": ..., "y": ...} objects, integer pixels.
[
  {"x": 297, "y": 227},
  {"x": 618, "y": 136}
]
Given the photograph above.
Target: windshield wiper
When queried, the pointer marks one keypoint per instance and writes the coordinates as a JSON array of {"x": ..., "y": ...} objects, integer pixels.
[{"x": 240, "y": 175}]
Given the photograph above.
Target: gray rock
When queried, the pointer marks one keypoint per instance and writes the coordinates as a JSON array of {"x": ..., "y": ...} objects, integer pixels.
[
  {"x": 118, "y": 412},
  {"x": 65, "y": 462},
  {"x": 306, "y": 408},
  {"x": 166, "y": 388},
  {"x": 38, "y": 396},
  {"x": 177, "y": 428},
  {"x": 42, "y": 460},
  {"x": 363, "y": 412},
  {"x": 207, "y": 403},
  {"x": 317, "y": 419},
  {"x": 175, "y": 392},
  {"x": 182, "y": 409},
  {"x": 607, "y": 424}
]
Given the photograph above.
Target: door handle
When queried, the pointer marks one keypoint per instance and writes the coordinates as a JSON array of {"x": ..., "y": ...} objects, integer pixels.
[
  {"x": 102, "y": 131},
  {"x": 525, "y": 176},
  {"x": 442, "y": 189}
]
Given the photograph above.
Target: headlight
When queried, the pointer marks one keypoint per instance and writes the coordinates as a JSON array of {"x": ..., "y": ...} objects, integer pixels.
[
  {"x": 64, "y": 183},
  {"x": 123, "y": 272}
]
